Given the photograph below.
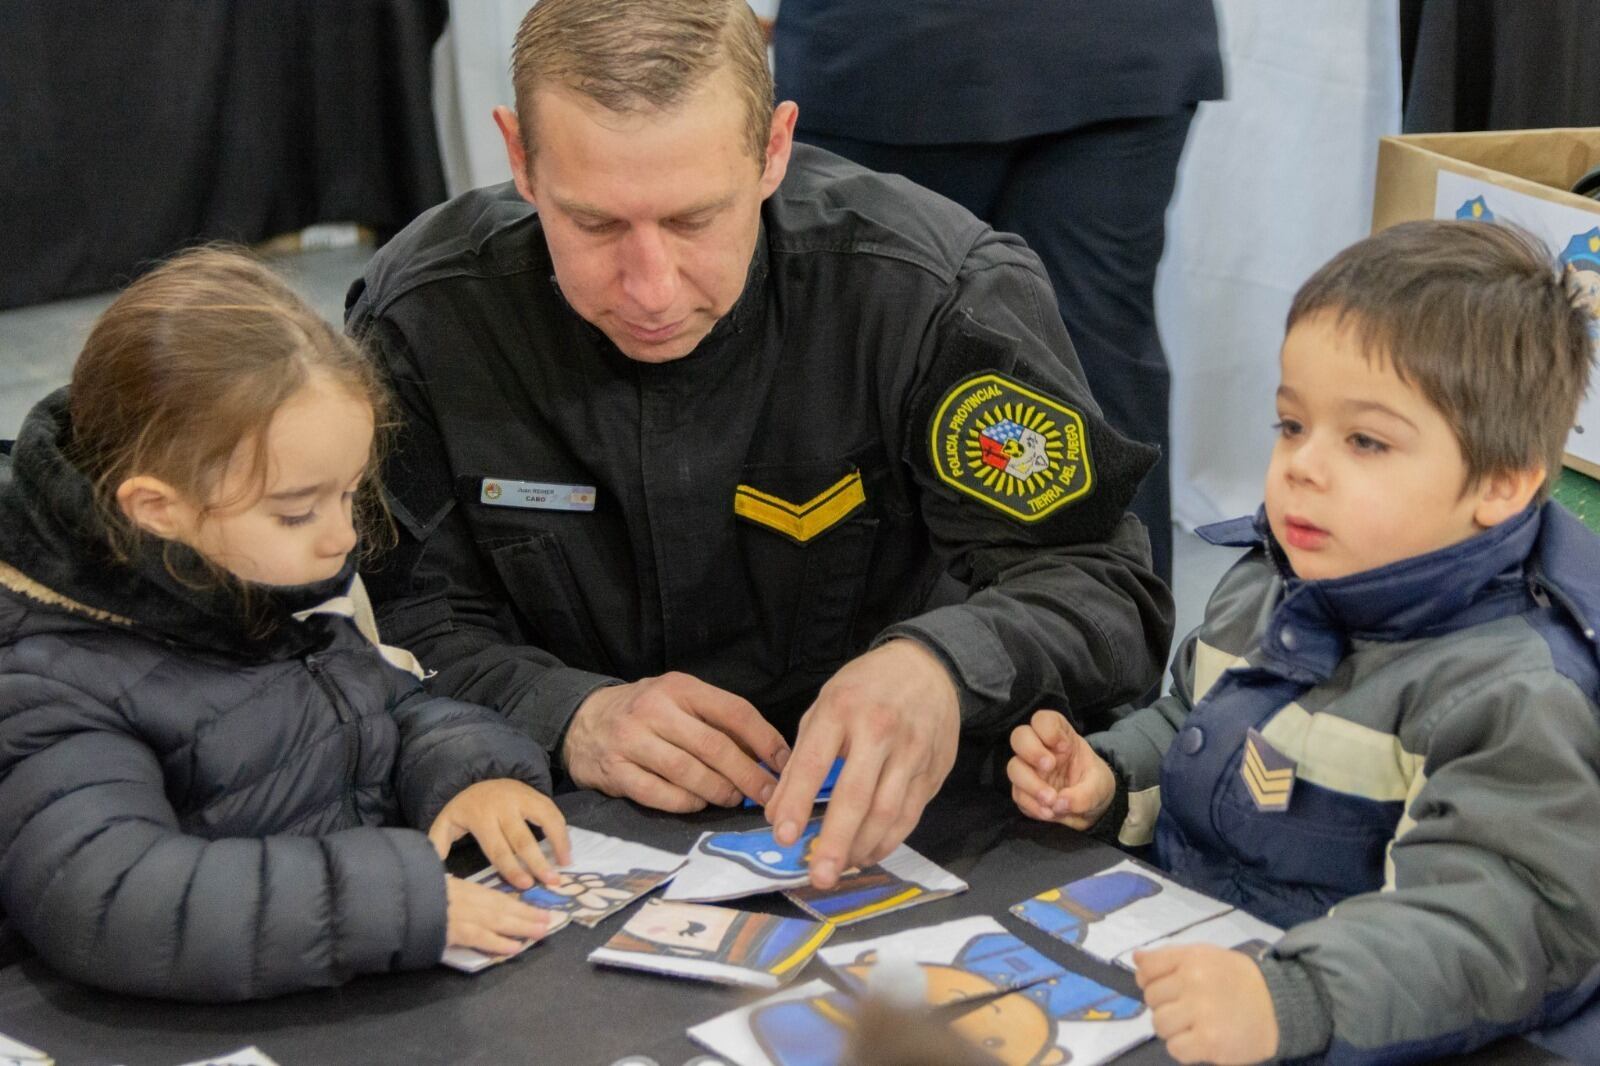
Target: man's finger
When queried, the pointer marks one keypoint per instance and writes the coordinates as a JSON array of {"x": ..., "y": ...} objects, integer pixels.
[
  {"x": 738, "y": 718},
  {"x": 666, "y": 760},
  {"x": 815, "y": 750},
  {"x": 847, "y": 809},
  {"x": 887, "y": 809},
  {"x": 911, "y": 810},
  {"x": 716, "y": 750},
  {"x": 650, "y": 790}
]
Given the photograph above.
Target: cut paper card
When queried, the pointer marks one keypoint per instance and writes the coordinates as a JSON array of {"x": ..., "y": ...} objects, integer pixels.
[
  {"x": 470, "y": 960},
  {"x": 1235, "y": 930},
  {"x": 1067, "y": 1019},
  {"x": 730, "y": 865},
  {"x": 969, "y": 958},
  {"x": 903, "y": 879},
  {"x": 824, "y": 793},
  {"x": 1125, "y": 907},
  {"x": 248, "y": 1056},
  {"x": 16, "y": 1053},
  {"x": 714, "y": 944},
  {"x": 808, "y": 1025}
]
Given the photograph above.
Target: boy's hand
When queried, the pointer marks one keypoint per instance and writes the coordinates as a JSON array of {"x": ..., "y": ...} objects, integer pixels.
[
  {"x": 497, "y": 814},
  {"x": 492, "y": 921},
  {"x": 1056, "y": 776},
  {"x": 1210, "y": 1004}
]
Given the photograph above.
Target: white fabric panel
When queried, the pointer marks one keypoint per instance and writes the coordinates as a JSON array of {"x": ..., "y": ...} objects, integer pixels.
[{"x": 1275, "y": 180}]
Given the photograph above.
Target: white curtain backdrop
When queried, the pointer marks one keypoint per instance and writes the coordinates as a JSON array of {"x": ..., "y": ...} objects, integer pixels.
[{"x": 1275, "y": 179}]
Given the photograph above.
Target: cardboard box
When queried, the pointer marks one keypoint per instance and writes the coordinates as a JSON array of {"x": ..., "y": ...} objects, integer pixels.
[{"x": 1520, "y": 176}]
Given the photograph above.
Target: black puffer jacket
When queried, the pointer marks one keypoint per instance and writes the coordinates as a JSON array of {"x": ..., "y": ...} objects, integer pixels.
[{"x": 190, "y": 811}]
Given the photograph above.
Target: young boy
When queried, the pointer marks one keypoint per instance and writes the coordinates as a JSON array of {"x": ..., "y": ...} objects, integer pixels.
[{"x": 1390, "y": 708}]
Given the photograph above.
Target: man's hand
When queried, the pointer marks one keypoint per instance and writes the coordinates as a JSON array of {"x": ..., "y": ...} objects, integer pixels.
[
  {"x": 674, "y": 743},
  {"x": 895, "y": 715},
  {"x": 497, "y": 814},
  {"x": 1209, "y": 1004},
  {"x": 1055, "y": 775}
]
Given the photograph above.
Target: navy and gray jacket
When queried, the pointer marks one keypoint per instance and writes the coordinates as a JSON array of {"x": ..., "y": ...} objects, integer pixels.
[
  {"x": 199, "y": 808},
  {"x": 1437, "y": 862}
]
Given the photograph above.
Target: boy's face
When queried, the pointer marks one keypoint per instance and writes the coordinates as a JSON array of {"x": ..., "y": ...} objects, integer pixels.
[{"x": 1366, "y": 471}]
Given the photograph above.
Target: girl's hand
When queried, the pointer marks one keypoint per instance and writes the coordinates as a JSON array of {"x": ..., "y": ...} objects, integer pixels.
[
  {"x": 1056, "y": 776},
  {"x": 497, "y": 814},
  {"x": 1209, "y": 1004},
  {"x": 492, "y": 921}
]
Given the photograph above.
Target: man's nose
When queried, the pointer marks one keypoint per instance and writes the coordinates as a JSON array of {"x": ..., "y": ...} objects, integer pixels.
[{"x": 649, "y": 271}]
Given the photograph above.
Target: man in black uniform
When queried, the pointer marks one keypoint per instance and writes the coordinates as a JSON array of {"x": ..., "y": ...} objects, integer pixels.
[{"x": 733, "y": 437}]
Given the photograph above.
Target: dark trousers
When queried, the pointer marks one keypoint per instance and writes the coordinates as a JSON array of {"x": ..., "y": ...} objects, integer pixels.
[{"x": 1092, "y": 203}]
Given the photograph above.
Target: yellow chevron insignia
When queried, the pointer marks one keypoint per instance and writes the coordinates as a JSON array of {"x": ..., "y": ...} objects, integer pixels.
[
  {"x": 801, "y": 521},
  {"x": 1267, "y": 773}
]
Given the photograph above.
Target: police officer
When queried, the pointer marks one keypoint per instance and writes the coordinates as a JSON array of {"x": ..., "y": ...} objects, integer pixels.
[{"x": 707, "y": 438}]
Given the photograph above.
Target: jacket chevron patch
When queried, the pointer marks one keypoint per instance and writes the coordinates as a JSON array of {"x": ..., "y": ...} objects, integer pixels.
[
  {"x": 801, "y": 521},
  {"x": 1267, "y": 773}
]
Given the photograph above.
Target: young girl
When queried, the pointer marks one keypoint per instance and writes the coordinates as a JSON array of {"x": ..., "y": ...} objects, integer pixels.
[{"x": 205, "y": 756}]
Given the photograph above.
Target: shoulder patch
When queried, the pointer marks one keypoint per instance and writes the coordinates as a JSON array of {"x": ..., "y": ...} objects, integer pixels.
[{"x": 1015, "y": 449}]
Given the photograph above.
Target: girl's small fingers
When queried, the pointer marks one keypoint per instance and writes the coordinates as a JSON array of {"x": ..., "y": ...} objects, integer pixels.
[{"x": 527, "y": 849}]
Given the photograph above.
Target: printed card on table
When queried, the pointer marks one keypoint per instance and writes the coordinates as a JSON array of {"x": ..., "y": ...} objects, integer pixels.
[
  {"x": 807, "y": 1025},
  {"x": 1067, "y": 1019},
  {"x": 1125, "y": 907},
  {"x": 248, "y": 1056},
  {"x": 714, "y": 944},
  {"x": 969, "y": 958},
  {"x": 16, "y": 1053},
  {"x": 1236, "y": 930},
  {"x": 903, "y": 879},
  {"x": 730, "y": 865},
  {"x": 605, "y": 875}
]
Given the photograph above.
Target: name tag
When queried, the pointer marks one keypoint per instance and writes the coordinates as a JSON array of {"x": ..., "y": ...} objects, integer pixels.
[{"x": 536, "y": 495}]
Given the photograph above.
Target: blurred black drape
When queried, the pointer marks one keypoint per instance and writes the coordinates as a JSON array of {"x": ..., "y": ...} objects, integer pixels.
[
  {"x": 129, "y": 129},
  {"x": 1499, "y": 64}
]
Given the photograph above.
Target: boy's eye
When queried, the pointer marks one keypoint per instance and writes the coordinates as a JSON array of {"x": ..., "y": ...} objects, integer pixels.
[
  {"x": 1363, "y": 443},
  {"x": 1287, "y": 427},
  {"x": 296, "y": 519}
]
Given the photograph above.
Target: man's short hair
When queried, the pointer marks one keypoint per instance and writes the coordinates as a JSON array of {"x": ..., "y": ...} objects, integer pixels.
[
  {"x": 642, "y": 55},
  {"x": 1476, "y": 317}
]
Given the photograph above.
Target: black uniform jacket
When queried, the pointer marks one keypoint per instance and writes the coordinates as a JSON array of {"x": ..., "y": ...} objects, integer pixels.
[{"x": 813, "y": 479}]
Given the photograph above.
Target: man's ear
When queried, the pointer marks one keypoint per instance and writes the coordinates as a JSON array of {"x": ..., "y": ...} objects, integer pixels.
[
  {"x": 780, "y": 143},
  {"x": 1505, "y": 495},
  {"x": 155, "y": 507},
  {"x": 516, "y": 152}
]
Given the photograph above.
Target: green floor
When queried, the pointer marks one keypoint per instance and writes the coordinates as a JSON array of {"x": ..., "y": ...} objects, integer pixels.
[{"x": 1580, "y": 494}]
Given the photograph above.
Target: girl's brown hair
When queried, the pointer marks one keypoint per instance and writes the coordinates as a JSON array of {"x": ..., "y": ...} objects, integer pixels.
[{"x": 192, "y": 361}]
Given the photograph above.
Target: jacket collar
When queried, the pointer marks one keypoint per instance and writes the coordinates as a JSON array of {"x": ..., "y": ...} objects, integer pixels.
[
  {"x": 1482, "y": 578},
  {"x": 55, "y": 542}
]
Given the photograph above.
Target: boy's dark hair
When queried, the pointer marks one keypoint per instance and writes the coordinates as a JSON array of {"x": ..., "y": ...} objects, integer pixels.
[{"x": 1476, "y": 317}]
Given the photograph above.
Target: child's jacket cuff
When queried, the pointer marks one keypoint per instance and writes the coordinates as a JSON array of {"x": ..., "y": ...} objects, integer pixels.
[{"x": 1305, "y": 1024}]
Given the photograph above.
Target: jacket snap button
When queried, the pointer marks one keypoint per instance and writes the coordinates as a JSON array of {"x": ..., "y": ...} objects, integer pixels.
[
  {"x": 1288, "y": 638},
  {"x": 1192, "y": 740}
]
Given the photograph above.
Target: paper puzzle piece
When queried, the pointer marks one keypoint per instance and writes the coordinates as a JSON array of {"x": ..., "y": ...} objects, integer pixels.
[
  {"x": 1125, "y": 907},
  {"x": 969, "y": 958},
  {"x": 1067, "y": 1019},
  {"x": 808, "y": 1025},
  {"x": 470, "y": 960},
  {"x": 714, "y": 944},
  {"x": 903, "y": 879},
  {"x": 605, "y": 875},
  {"x": 16, "y": 1053},
  {"x": 730, "y": 865},
  {"x": 824, "y": 794},
  {"x": 248, "y": 1056},
  {"x": 1235, "y": 930}
]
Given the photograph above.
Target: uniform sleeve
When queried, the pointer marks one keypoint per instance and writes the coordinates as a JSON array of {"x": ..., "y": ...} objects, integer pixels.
[
  {"x": 97, "y": 874},
  {"x": 432, "y": 596},
  {"x": 447, "y": 745},
  {"x": 1063, "y": 608},
  {"x": 1489, "y": 921}
]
